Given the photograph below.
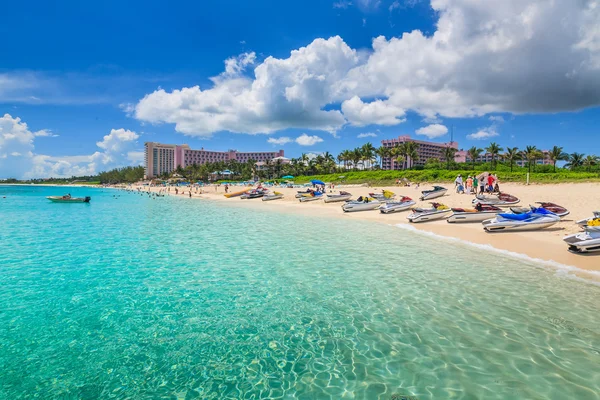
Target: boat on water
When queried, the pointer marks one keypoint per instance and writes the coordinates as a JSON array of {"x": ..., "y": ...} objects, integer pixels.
[
  {"x": 500, "y": 200},
  {"x": 342, "y": 196},
  {"x": 312, "y": 196},
  {"x": 68, "y": 199},
  {"x": 235, "y": 194},
  {"x": 361, "y": 204},
  {"x": 396, "y": 206},
  {"x": 535, "y": 219},
  {"x": 555, "y": 208},
  {"x": 434, "y": 193},
  {"x": 272, "y": 196},
  {"x": 385, "y": 195},
  {"x": 587, "y": 241},
  {"x": 437, "y": 211},
  {"x": 478, "y": 214}
]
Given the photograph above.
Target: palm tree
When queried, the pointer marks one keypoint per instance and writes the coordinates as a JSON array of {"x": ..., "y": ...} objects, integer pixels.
[
  {"x": 368, "y": 151},
  {"x": 449, "y": 153},
  {"x": 398, "y": 154},
  {"x": 474, "y": 153},
  {"x": 382, "y": 152},
  {"x": 411, "y": 152},
  {"x": 557, "y": 154},
  {"x": 494, "y": 149},
  {"x": 512, "y": 154},
  {"x": 575, "y": 161},
  {"x": 531, "y": 153},
  {"x": 589, "y": 162}
]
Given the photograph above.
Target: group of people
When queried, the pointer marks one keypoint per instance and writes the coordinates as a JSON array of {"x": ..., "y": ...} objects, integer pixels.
[{"x": 485, "y": 182}]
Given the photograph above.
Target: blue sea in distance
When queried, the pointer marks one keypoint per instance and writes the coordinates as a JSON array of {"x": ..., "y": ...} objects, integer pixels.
[{"x": 130, "y": 297}]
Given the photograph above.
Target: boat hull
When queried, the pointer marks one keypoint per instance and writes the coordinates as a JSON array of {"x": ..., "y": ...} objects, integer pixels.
[
  {"x": 60, "y": 199},
  {"x": 434, "y": 195},
  {"x": 492, "y": 225},
  {"x": 390, "y": 208},
  {"x": 417, "y": 217},
  {"x": 355, "y": 207},
  {"x": 458, "y": 217},
  {"x": 305, "y": 199},
  {"x": 335, "y": 198},
  {"x": 272, "y": 197},
  {"x": 586, "y": 242}
]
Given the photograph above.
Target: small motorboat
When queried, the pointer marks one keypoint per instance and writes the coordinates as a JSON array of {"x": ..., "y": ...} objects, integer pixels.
[
  {"x": 235, "y": 194},
  {"x": 555, "y": 208},
  {"x": 436, "y": 192},
  {"x": 500, "y": 200},
  {"x": 69, "y": 199},
  {"x": 312, "y": 196},
  {"x": 478, "y": 214},
  {"x": 536, "y": 218},
  {"x": 361, "y": 204},
  {"x": 342, "y": 196},
  {"x": 587, "y": 241},
  {"x": 592, "y": 221},
  {"x": 395, "y": 206},
  {"x": 437, "y": 211},
  {"x": 253, "y": 194},
  {"x": 272, "y": 196},
  {"x": 385, "y": 195}
]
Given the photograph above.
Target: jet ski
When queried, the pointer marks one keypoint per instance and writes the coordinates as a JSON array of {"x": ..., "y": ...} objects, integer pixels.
[
  {"x": 272, "y": 196},
  {"x": 312, "y": 196},
  {"x": 478, "y": 214},
  {"x": 587, "y": 241},
  {"x": 500, "y": 200},
  {"x": 536, "y": 218},
  {"x": 394, "y": 206},
  {"x": 592, "y": 221},
  {"x": 253, "y": 194},
  {"x": 301, "y": 193},
  {"x": 436, "y": 192},
  {"x": 385, "y": 195},
  {"x": 342, "y": 196},
  {"x": 555, "y": 208},
  {"x": 361, "y": 204},
  {"x": 437, "y": 211}
]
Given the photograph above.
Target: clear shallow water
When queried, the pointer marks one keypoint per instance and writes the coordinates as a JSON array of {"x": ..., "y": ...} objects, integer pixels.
[{"x": 130, "y": 297}]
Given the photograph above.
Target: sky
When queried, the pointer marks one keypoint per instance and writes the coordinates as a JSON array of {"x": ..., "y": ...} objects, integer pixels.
[{"x": 84, "y": 84}]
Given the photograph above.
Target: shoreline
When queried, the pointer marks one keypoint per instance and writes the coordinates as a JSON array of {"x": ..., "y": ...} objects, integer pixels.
[{"x": 545, "y": 246}]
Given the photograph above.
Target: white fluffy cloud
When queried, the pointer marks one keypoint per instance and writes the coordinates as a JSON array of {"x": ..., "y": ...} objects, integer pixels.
[
  {"x": 513, "y": 56},
  {"x": 306, "y": 140},
  {"x": 484, "y": 133},
  {"x": 366, "y": 135},
  {"x": 432, "y": 131},
  {"x": 280, "y": 141},
  {"x": 18, "y": 158}
]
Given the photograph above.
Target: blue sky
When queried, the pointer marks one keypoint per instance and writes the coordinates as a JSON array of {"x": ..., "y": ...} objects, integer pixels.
[{"x": 83, "y": 85}]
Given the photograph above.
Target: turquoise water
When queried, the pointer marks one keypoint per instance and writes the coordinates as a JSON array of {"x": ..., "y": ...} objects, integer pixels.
[{"x": 130, "y": 297}]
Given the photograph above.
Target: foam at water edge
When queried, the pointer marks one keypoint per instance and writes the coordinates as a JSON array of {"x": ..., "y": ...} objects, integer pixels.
[{"x": 562, "y": 270}]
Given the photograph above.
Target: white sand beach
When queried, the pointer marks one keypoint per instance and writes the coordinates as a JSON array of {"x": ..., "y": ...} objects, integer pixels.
[{"x": 580, "y": 198}]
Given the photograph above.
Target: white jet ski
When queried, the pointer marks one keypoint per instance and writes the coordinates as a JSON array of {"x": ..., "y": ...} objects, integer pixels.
[
  {"x": 272, "y": 196},
  {"x": 537, "y": 218},
  {"x": 361, "y": 204},
  {"x": 500, "y": 200},
  {"x": 313, "y": 196},
  {"x": 395, "y": 206},
  {"x": 480, "y": 213},
  {"x": 342, "y": 196},
  {"x": 595, "y": 220},
  {"x": 587, "y": 241},
  {"x": 436, "y": 192},
  {"x": 437, "y": 211}
]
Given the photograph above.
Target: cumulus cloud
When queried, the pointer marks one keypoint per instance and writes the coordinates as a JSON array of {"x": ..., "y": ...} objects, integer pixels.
[
  {"x": 279, "y": 141},
  {"x": 366, "y": 135},
  {"x": 306, "y": 140},
  {"x": 497, "y": 118},
  {"x": 432, "y": 131},
  {"x": 484, "y": 133},
  {"x": 18, "y": 158},
  {"x": 503, "y": 56}
]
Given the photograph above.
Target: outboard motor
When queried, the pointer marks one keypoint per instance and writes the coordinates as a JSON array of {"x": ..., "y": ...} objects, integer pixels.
[{"x": 87, "y": 199}]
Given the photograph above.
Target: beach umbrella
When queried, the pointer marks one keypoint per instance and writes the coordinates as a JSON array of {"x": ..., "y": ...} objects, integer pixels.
[
  {"x": 317, "y": 182},
  {"x": 287, "y": 177}
]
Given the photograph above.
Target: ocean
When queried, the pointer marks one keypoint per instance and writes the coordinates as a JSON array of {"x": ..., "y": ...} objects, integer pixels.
[{"x": 138, "y": 297}]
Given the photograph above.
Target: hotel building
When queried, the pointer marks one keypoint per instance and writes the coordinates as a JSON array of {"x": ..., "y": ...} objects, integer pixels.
[
  {"x": 426, "y": 150},
  {"x": 165, "y": 158},
  {"x": 462, "y": 156}
]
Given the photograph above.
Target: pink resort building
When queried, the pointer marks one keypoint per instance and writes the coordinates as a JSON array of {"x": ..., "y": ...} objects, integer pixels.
[
  {"x": 463, "y": 157},
  {"x": 165, "y": 158},
  {"x": 426, "y": 151}
]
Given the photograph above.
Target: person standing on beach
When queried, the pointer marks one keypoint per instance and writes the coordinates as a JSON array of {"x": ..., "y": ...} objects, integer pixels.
[
  {"x": 490, "y": 182},
  {"x": 475, "y": 184},
  {"x": 469, "y": 184},
  {"x": 458, "y": 182},
  {"x": 482, "y": 184}
]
